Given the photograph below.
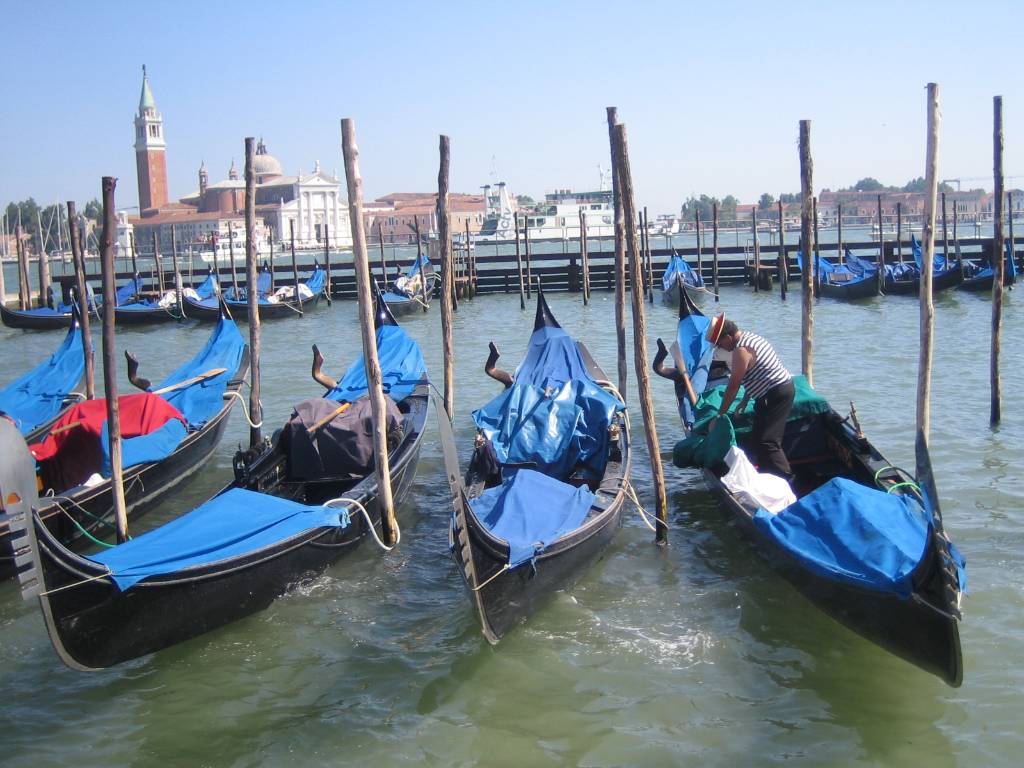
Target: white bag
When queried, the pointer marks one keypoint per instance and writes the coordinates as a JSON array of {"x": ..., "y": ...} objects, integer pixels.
[{"x": 752, "y": 487}]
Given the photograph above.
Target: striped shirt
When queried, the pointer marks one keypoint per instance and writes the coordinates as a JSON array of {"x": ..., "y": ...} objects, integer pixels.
[{"x": 767, "y": 372}]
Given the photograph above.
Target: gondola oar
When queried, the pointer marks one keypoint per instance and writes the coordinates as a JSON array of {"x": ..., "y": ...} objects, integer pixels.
[{"x": 189, "y": 382}]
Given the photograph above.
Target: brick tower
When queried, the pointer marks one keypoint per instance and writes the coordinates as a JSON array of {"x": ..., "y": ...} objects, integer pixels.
[{"x": 150, "y": 150}]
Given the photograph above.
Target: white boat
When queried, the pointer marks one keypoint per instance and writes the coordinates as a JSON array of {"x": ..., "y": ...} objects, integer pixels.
[
  {"x": 558, "y": 217},
  {"x": 499, "y": 215},
  {"x": 225, "y": 248}
]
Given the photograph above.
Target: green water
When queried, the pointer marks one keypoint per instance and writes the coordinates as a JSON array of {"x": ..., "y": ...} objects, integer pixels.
[{"x": 692, "y": 654}]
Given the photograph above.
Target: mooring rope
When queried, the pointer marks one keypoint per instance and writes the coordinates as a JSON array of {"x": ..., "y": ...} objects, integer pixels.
[
  {"x": 369, "y": 523},
  {"x": 245, "y": 409}
]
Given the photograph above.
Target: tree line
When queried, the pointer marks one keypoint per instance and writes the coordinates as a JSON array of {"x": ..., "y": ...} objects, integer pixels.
[{"x": 29, "y": 213}]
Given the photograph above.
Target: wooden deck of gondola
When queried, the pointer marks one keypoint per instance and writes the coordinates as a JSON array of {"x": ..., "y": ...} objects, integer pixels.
[{"x": 93, "y": 625}]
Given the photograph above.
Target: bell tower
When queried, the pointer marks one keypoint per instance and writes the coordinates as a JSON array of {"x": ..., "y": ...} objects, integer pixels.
[{"x": 150, "y": 150}]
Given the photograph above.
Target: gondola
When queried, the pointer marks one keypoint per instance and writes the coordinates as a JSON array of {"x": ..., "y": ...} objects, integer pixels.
[
  {"x": 49, "y": 318},
  {"x": 536, "y": 508},
  {"x": 677, "y": 274},
  {"x": 280, "y": 521},
  {"x": 172, "y": 431},
  {"x": 979, "y": 277},
  {"x": 38, "y": 398},
  {"x": 406, "y": 294},
  {"x": 273, "y": 305},
  {"x": 853, "y": 280},
  {"x": 148, "y": 309},
  {"x": 864, "y": 541}
]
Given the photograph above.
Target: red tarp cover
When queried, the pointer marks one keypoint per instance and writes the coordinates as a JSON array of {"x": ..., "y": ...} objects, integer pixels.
[{"x": 141, "y": 414}]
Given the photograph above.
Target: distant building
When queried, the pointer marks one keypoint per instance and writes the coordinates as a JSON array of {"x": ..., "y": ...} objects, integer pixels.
[
  {"x": 311, "y": 205},
  {"x": 398, "y": 213}
]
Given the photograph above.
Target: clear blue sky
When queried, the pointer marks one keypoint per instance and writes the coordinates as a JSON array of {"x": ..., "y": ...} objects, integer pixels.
[{"x": 711, "y": 93}]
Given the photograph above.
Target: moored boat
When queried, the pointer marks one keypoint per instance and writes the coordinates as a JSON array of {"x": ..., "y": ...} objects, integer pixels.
[
  {"x": 546, "y": 485},
  {"x": 678, "y": 274},
  {"x": 297, "y": 504},
  {"x": 864, "y": 542}
]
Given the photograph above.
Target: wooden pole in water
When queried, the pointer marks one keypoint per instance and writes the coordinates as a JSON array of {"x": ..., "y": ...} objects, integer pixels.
[
  {"x": 519, "y": 264},
  {"x": 998, "y": 262},
  {"x": 419, "y": 260},
  {"x": 327, "y": 261},
  {"x": 447, "y": 283},
  {"x": 252, "y": 295},
  {"x": 83, "y": 302},
  {"x": 6, "y": 252},
  {"x": 529, "y": 266},
  {"x": 470, "y": 266},
  {"x": 231, "y": 256},
  {"x": 927, "y": 311},
  {"x": 214, "y": 239},
  {"x": 839, "y": 246},
  {"x": 159, "y": 265},
  {"x": 383, "y": 260},
  {"x": 650, "y": 257},
  {"x": 178, "y": 282},
  {"x": 135, "y": 266},
  {"x": 361, "y": 263},
  {"x": 816, "y": 268},
  {"x": 945, "y": 235},
  {"x": 899, "y": 231},
  {"x": 881, "y": 249},
  {"x": 584, "y": 257},
  {"x": 700, "y": 256},
  {"x": 24, "y": 291},
  {"x": 620, "y": 259},
  {"x": 295, "y": 267},
  {"x": 757, "y": 252},
  {"x": 643, "y": 379},
  {"x": 109, "y": 355},
  {"x": 714, "y": 248},
  {"x": 1009, "y": 219},
  {"x": 809, "y": 243},
  {"x": 44, "y": 277},
  {"x": 783, "y": 265}
]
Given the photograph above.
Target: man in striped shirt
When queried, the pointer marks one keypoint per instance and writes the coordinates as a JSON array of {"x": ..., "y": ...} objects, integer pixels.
[{"x": 766, "y": 381}]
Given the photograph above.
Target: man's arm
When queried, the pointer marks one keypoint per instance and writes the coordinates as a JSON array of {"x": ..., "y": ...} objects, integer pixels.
[{"x": 740, "y": 362}]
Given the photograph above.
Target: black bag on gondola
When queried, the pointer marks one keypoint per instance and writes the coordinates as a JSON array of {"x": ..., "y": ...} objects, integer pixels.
[{"x": 319, "y": 446}]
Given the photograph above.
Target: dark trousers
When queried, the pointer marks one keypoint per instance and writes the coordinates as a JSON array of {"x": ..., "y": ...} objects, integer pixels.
[{"x": 770, "y": 414}]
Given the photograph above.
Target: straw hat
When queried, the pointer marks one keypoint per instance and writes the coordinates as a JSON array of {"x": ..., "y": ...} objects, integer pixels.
[{"x": 715, "y": 329}]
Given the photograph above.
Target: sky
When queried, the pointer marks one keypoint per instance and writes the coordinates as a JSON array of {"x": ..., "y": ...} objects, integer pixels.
[{"x": 711, "y": 93}]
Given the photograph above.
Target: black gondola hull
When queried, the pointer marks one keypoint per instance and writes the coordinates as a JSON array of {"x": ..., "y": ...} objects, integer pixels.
[
  {"x": 95, "y": 625},
  {"x": 240, "y": 310},
  {"x": 15, "y": 318},
  {"x": 849, "y": 291},
  {"x": 150, "y": 316}
]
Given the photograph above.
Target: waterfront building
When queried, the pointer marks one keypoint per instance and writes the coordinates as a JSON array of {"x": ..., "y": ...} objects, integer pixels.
[{"x": 398, "y": 212}]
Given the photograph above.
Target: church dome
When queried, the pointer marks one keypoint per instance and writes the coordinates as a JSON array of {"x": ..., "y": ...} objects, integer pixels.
[{"x": 265, "y": 166}]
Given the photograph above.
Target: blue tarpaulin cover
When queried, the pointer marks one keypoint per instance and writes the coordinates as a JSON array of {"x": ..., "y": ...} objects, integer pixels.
[
  {"x": 38, "y": 396},
  {"x": 401, "y": 364},
  {"x": 938, "y": 259},
  {"x": 316, "y": 281},
  {"x": 264, "y": 282},
  {"x": 678, "y": 269},
  {"x": 858, "y": 271},
  {"x": 395, "y": 295},
  {"x": 853, "y": 533},
  {"x": 128, "y": 291},
  {"x": 554, "y": 415},
  {"x": 230, "y": 525},
  {"x": 157, "y": 445},
  {"x": 698, "y": 354},
  {"x": 199, "y": 402},
  {"x": 208, "y": 287},
  {"x": 529, "y": 510},
  {"x": 860, "y": 266}
]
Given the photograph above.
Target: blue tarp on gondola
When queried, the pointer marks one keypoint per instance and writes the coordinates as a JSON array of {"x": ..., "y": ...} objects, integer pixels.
[
  {"x": 852, "y": 533},
  {"x": 529, "y": 510},
  {"x": 401, "y": 364},
  {"x": 157, "y": 445},
  {"x": 199, "y": 402},
  {"x": 698, "y": 354},
  {"x": 38, "y": 396},
  {"x": 554, "y": 415},
  {"x": 938, "y": 260},
  {"x": 128, "y": 290},
  {"x": 678, "y": 269},
  {"x": 230, "y": 525}
]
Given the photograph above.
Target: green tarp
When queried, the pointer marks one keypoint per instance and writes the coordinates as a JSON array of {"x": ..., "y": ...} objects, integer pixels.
[{"x": 703, "y": 450}]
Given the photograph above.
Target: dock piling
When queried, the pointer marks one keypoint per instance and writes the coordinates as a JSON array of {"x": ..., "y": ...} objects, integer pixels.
[
  {"x": 448, "y": 281},
  {"x": 998, "y": 261},
  {"x": 74, "y": 234},
  {"x": 927, "y": 306},
  {"x": 252, "y": 296},
  {"x": 620, "y": 258},
  {"x": 809, "y": 244}
]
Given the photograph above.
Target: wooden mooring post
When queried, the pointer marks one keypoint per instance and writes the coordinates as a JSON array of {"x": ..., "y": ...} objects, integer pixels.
[
  {"x": 816, "y": 268},
  {"x": 374, "y": 378},
  {"x": 927, "y": 306},
  {"x": 839, "y": 246},
  {"x": 647, "y": 254},
  {"x": 74, "y": 233},
  {"x": 327, "y": 262},
  {"x": 24, "y": 290},
  {"x": 783, "y": 265},
  {"x": 757, "y": 251},
  {"x": 620, "y": 259},
  {"x": 643, "y": 377},
  {"x": 899, "y": 232},
  {"x": 231, "y": 257},
  {"x": 159, "y": 265},
  {"x": 998, "y": 261},
  {"x": 178, "y": 282},
  {"x": 44, "y": 277},
  {"x": 252, "y": 296},
  {"x": 945, "y": 235},
  {"x": 714, "y": 248},
  {"x": 584, "y": 257},
  {"x": 519, "y": 263},
  {"x": 809, "y": 243},
  {"x": 881, "y": 249},
  {"x": 419, "y": 260},
  {"x": 447, "y": 283},
  {"x": 526, "y": 245},
  {"x": 383, "y": 258},
  {"x": 470, "y": 266},
  {"x": 295, "y": 267},
  {"x": 135, "y": 265},
  {"x": 109, "y": 360}
]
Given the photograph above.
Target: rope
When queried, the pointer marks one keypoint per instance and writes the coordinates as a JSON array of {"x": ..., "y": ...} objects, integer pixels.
[
  {"x": 644, "y": 514},
  {"x": 97, "y": 577},
  {"x": 369, "y": 523},
  {"x": 493, "y": 576},
  {"x": 84, "y": 532},
  {"x": 245, "y": 409},
  {"x": 892, "y": 488}
]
